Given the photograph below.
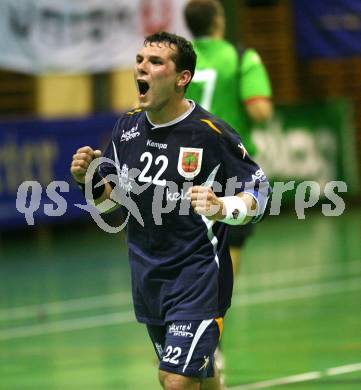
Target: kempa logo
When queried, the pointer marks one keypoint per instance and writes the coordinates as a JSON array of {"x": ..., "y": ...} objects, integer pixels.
[
  {"x": 157, "y": 145},
  {"x": 205, "y": 363},
  {"x": 130, "y": 134},
  {"x": 181, "y": 330},
  {"x": 243, "y": 150}
]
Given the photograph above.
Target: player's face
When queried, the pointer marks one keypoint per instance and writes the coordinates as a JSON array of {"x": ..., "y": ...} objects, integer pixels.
[{"x": 156, "y": 76}]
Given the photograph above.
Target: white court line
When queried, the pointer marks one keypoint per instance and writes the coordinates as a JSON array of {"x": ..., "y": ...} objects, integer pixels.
[
  {"x": 308, "y": 376},
  {"x": 298, "y": 292},
  {"x": 67, "y": 325},
  {"x": 343, "y": 369},
  {"x": 279, "y": 381},
  {"x": 305, "y": 274},
  {"x": 276, "y": 295},
  {"x": 66, "y": 306}
]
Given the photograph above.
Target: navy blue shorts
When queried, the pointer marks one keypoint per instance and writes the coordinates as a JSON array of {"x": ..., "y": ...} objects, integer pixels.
[
  {"x": 237, "y": 235},
  {"x": 187, "y": 347}
]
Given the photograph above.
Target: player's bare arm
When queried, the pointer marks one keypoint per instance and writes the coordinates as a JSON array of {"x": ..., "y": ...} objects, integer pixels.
[
  {"x": 260, "y": 110},
  {"x": 79, "y": 166},
  {"x": 205, "y": 202}
]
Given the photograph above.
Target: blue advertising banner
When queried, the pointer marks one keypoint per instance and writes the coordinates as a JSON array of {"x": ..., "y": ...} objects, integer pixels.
[
  {"x": 41, "y": 151},
  {"x": 327, "y": 29}
]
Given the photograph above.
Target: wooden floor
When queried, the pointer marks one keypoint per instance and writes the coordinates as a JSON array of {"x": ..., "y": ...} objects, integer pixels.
[{"x": 66, "y": 319}]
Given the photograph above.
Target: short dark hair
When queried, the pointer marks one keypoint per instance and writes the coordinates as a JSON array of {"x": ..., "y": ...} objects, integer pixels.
[
  {"x": 200, "y": 15},
  {"x": 185, "y": 57}
]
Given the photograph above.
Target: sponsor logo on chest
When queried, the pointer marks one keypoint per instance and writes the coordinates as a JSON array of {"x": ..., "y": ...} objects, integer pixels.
[
  {"x": 130, "y": 134},
  {"x": 175, "y": 196},
  {"x": 190, "y": 162}
]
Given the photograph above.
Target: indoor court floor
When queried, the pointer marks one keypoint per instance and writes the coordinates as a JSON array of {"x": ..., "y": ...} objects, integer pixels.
[{"x": 66, "y": 318}]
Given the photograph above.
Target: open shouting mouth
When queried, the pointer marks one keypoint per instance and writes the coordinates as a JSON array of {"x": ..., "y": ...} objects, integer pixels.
[{"x": 143, "y": 87}]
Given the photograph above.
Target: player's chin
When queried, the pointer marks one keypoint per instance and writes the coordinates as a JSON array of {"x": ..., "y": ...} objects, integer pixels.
[
  {"x": 146, "y": 104},
  {"x": 143, "y": 105},
  {"x": 143, "y": 101}
]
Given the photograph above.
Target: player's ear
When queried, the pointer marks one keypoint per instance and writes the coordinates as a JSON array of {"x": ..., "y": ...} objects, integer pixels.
[{"x": 183, "y": 78}]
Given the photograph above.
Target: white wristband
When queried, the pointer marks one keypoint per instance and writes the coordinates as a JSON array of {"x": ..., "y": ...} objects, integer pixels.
[{"x": 236, "y": 210}]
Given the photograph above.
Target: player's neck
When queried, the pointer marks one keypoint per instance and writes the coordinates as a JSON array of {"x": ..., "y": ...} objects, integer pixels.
[
  {"x": 169, "y": 112},
  {"x": 218, "y": 29},
  {"x": 218, "y": 33}
]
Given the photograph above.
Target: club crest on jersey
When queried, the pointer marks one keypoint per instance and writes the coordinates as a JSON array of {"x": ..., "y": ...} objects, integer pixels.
[{"x": 190, "y": 162}]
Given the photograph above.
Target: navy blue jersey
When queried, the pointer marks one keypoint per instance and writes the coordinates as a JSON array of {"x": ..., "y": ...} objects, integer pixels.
[{"x": 180, "y": 263}]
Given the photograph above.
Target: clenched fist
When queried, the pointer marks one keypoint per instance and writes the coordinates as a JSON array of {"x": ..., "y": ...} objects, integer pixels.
[
  {"x": 205, "y": 202},
  {"x": 81, "y": 161}
]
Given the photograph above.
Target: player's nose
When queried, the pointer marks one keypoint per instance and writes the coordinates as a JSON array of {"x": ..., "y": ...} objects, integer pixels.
[{"x": 141, "y": 67}]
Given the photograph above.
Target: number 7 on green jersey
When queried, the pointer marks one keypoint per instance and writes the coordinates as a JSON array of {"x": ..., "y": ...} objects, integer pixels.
[{"x": 208, "y": 77}]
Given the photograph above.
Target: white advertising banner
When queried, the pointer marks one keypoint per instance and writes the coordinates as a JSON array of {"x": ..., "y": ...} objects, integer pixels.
[{"x": 71, "y": 36}]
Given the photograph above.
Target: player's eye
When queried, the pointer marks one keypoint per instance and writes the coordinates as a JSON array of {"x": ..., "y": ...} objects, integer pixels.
[{"x": 156, "y": 62}]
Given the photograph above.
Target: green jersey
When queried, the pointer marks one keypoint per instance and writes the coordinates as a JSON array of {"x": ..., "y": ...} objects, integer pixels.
[{"x": 223, "y": 80}]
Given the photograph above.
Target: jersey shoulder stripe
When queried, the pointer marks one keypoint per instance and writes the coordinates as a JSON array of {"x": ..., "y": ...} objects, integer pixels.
[
  {"x": 135, "y": 111},
  {"x": 211, "y": 122},
  {"x": 211, "y": 125}
]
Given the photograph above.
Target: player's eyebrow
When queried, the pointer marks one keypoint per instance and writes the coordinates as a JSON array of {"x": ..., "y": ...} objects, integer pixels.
[{"x": 152, "y": 58}]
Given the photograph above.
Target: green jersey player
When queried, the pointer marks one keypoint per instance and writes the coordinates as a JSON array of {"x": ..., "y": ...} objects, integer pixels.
[
  {"x": 233, "y": 85},
  {"x": 223, "y": 81}
]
